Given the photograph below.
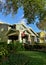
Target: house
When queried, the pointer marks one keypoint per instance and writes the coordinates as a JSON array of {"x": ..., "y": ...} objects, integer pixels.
[
  {"x": 42, "y": 37},
  {"x": 22, "y": 33},
  {"x": 17, "y": 32}
]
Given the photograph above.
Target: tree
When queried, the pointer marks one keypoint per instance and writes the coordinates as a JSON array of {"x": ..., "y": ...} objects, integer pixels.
[
  {"x": 42, "y": 25},
  {"x": 32, "y": 8}
]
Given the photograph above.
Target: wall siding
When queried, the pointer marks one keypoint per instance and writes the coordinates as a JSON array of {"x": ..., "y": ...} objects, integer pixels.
[{"x": 3, "y": 30}]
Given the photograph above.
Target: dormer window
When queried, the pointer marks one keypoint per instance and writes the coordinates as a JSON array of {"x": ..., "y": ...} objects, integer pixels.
[{"x": 13, "y": 26}]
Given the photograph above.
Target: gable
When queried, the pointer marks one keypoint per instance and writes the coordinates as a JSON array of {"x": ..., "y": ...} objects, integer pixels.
[{"x": 20, "y": 27}]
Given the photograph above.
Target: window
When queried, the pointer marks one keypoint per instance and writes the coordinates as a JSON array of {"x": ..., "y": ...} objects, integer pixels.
[
  {"x": 2, "y": 29},
  {"x": 13, "y": 27}
]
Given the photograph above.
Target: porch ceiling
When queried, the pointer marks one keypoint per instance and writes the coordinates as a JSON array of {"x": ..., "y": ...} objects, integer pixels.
[{"x": 12, "y": 32}]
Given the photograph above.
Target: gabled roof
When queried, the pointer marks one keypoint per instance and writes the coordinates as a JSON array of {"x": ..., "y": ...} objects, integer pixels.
[
  {"x": 29, "y": 29},
  {"x": 1, "y": 22},
  {"x": 33, "y": 32},
  {"x": 26, "y": 27},
  {"x": 4, "y": 23}
]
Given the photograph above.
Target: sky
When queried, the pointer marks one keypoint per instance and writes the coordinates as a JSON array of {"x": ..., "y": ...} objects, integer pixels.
[{"x": 17, "y": 18}]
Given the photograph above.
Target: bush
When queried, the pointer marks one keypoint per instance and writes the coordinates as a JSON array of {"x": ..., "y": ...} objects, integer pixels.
[
  {"x": 6, "y": 49},
  {"x": 38, "y": 47},
  {"x": 18, "y": 46},
  {"x": 10, "y": 47},
  {"x": 3, "y": 50}
]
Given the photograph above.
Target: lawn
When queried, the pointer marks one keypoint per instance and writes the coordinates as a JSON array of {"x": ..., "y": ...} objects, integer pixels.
[{"x": 25, "y": 58}]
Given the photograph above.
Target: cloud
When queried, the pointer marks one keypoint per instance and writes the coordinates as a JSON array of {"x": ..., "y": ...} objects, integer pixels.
[
  {"x": 23, "y": 21},
  {"x": 3, "y": 1}
]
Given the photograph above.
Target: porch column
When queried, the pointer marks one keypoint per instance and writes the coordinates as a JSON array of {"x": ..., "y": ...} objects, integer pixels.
[
  {"x": 20, "y": 38},
  {"x": 9, "y": 41},
  {"x": 35, "y": 39},
  {"x": 29, "y": 39}
]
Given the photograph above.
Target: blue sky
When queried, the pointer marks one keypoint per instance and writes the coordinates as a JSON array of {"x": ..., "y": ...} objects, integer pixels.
[{"x": 17, "y": 18}]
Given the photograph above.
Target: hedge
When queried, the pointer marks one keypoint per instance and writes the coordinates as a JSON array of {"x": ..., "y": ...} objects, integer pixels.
[{"x": 38, "y": 47}]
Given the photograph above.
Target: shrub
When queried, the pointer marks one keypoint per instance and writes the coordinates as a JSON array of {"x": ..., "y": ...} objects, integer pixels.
[
  {"x": 18, "y": 46},
  {"x": 10, "y": 47},
  {"x": 15, "y": 46},
  {"x": 3, "y": 53},
  {"x": 38, "y": 47}
]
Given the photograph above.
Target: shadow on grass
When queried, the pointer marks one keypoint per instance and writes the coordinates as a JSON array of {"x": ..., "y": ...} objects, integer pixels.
[{"x": 23, "y": 59}]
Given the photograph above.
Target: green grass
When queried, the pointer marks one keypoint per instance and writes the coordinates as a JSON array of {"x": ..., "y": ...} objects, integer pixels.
[
  {"x": 35, "y": 58},
  {"x": 25, "y": 58}
]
